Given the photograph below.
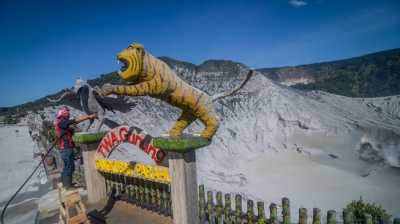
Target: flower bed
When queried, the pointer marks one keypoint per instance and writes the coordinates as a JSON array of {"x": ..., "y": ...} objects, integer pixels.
[{"x": 148, "y": 172}]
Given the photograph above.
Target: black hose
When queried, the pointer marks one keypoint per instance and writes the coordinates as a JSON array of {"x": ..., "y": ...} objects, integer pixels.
[{"x": 26, "y": 181}]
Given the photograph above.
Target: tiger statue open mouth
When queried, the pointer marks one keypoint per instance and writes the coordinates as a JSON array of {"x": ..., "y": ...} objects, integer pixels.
[
  {"x": 150, "y": 76},
  {"x": 132, "y": 62},
  {"x": 125, "y": 65}
]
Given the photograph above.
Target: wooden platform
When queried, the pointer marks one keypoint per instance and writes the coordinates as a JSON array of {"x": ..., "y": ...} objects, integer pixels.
[
  {"x": 71, "y": 208},
  {"x": 121, "y": 212}
]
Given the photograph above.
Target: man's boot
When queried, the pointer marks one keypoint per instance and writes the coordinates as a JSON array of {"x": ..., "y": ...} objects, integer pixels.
[
  {"x": 63, "y": 180},
  {"x": 67, "y": 182}
]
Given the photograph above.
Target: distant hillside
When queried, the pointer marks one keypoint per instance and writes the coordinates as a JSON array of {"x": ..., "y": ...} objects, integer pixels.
[{"x": 371, "y": 75}]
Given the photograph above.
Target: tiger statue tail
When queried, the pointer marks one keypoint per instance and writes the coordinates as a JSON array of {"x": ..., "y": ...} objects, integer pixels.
[{"x": 233, "y": 91}]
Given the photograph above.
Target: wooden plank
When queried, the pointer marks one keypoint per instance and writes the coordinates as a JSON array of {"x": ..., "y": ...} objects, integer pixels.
[
  {"x": 80, "y": 218},
  {"x": 72, "y": 199}
]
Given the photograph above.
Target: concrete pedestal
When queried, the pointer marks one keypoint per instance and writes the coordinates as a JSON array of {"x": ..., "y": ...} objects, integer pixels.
[
  {"x": 182, "y": 170},
  {"x": 95, "y": 182}
]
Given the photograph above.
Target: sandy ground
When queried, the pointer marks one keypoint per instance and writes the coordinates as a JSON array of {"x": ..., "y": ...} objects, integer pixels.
[
  {"x": 309, "y": 178},
  {"x": 121, "y": 212},
  {"x": 16, "y": 163},
  {"x": 127, "y": 213}
]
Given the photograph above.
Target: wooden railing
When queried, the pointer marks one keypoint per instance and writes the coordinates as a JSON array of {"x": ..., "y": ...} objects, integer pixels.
[
  {"x": 221, "y": 208},
  {"x": 152, "y": 195}
]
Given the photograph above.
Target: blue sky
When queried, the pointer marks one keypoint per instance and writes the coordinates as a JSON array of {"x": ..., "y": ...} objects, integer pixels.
[{"x": 46, "y": 45}]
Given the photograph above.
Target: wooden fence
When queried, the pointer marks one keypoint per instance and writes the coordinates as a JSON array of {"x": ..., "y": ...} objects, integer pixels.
[
  {"x": 217, "y": 208},
  {"x": 152, "y": 195}
]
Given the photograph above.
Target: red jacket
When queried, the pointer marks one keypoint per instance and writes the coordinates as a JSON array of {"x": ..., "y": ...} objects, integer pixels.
[{"x": 64, "y": 133}]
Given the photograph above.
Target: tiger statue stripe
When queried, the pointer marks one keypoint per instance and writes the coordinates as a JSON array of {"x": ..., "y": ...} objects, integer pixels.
[{"x": 153, "y": 77}]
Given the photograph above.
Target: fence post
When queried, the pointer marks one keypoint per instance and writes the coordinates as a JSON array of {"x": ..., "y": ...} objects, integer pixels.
[
  {"x": 158, "y": 196},
  {"x": 316, "y": 216},
  {"x": 219, "y": 208},
  {"x": 202, "y": 203},
  {"x": 153, "y": 196},
  {"x": 129, "y": 188},
  {"x": 367, "y": 218},
  {"x": 302, "y": 216},
  {"x": 141, "y": 192},
  {"x": 95, "y": 182},
  {"x": 164, "y": 199},
  {"x": 136, "y": 190},
  {"x": 210, "y": 206},
  {"x": 286, "y": 210},
  {"x": 250, "y": 211},
  {"x": 238, "y": 208},
  {"x": 227, "y": 209},
  {"x": 261, "y": 213},
  {"x": 347, "y": 216},
  {"x": 331, "y": 217},
  {"x": 273, "y": 214}
]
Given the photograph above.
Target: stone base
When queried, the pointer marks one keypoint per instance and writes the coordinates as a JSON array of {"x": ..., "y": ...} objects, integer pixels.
[
  {"x": 181, "y": 144},
  {"x": 88, "y": 137}
]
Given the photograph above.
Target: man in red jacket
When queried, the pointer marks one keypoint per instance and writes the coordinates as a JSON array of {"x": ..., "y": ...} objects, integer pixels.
[{"x": 66, "y": 144}]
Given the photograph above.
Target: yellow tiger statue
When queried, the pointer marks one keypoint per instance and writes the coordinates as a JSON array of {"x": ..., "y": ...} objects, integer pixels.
[{"x": 150, "y": 76}]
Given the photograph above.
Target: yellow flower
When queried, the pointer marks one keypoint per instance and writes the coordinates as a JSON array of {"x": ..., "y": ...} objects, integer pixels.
[{"x": 149, "y": 172}]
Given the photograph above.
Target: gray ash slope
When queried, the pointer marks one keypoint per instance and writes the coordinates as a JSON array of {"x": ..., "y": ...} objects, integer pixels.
[
  {"x": 351, "y": 136},
  {"x": 357, "y": 139}
]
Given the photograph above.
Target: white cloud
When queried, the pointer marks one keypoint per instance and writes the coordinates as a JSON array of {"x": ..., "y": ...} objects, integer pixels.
[{"x": 298, "y": 3}]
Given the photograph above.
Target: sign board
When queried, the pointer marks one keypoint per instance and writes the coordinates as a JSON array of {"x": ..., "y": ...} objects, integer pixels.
[{"x": 132, "y": 135}]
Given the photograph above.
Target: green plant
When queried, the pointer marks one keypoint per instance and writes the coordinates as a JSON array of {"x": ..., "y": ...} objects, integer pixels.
[
  {"x": 360, "y": 208},
  {"x": 9, "y": 119}
]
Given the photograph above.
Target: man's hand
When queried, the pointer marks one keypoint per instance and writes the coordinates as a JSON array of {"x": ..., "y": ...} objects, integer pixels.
[
  {"x": 85, "y": 117},
  {"x": 92, "y": 116},
  {"x": 105, "y": 90}
]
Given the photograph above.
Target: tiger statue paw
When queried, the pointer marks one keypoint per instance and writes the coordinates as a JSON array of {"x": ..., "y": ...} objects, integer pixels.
[{"x": 105, "y": 90}]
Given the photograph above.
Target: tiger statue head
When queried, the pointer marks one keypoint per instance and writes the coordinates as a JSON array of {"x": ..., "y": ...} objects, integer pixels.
[{"x": 132, "y": 59}]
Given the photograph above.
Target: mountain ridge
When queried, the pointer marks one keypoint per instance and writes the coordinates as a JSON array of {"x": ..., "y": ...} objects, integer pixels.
[
  {"x": 370, "y": 75},
  {"x": 303, "y": 77}
]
